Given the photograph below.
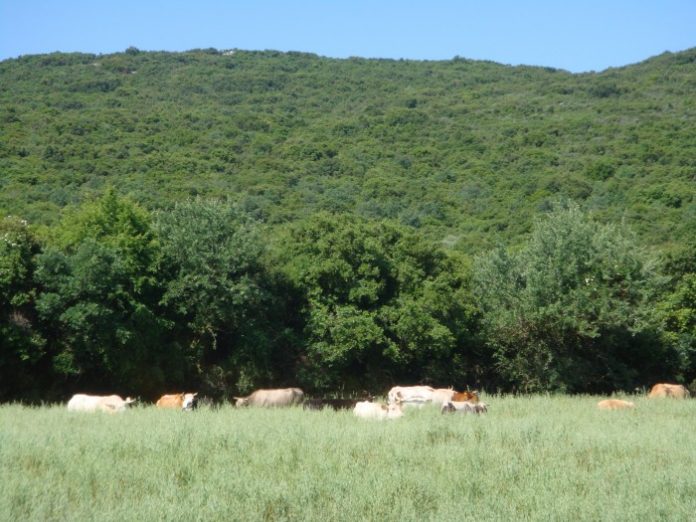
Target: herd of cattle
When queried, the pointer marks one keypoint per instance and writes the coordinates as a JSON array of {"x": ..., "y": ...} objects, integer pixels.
[{"x": 399, "y": 397}]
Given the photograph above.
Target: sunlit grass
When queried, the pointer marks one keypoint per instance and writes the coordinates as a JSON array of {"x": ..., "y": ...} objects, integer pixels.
[{"x": 541, "y": 458}]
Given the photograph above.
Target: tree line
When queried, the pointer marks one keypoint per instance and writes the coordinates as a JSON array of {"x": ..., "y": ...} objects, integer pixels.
[{"x": 201, "y": 295}]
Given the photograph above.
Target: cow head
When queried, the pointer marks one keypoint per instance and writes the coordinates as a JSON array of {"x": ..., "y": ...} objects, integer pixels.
[
  {"x": 397, "y": 398},
  {"x": 241, "y": 401},
  {"x": 394, "y": 411},
  {"x": 189, "y": 401}
]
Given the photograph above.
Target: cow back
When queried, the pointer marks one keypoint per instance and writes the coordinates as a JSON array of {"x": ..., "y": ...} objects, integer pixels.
[
  {"x": 276, "y": 397},
  {"x": 676, "y": 391}
]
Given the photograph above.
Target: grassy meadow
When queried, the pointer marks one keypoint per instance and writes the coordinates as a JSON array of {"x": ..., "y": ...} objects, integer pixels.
[{"x": 529, "y": 458}]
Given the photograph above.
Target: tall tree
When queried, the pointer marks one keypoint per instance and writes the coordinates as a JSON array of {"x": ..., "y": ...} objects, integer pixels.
[
  {"x": 380, "y": 304},
  {"x": 21, "y": 343},
  {"x": 99, "y": 298},
  {"x": 217, "y": 287},
  {"x": 570, "y": 310}
]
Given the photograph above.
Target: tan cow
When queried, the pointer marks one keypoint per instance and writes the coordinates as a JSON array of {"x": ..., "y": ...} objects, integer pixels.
[
  {"x": 272, "y": 398},
  {"x": 676, "y": 391},
  {"x": 615, "y": 404},
  {"x": 178, "y": 401},
  {"x": 107, "y": 403},
  {"x": 375, "y": 410}
]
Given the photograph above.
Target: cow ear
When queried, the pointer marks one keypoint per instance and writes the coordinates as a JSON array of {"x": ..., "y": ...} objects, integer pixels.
[{"x": 195, "y": 394}]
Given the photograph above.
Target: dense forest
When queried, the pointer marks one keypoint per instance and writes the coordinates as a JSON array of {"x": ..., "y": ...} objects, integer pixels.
[{"x": 227, "y": 220}]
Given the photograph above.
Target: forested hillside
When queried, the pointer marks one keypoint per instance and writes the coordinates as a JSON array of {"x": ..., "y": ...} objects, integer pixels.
[
  {"x": 221, "y": 221},
  {"x": 470, "y": 151}
]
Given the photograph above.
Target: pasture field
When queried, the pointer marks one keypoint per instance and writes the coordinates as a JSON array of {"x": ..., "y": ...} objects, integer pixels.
[{"x": 530, "y": 458}]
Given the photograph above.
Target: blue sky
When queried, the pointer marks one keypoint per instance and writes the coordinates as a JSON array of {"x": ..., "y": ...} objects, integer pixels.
[{"x": 568, "y": 34}]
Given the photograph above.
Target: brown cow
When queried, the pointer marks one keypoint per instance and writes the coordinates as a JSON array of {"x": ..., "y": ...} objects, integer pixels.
[
  {"x": 466, "y": 396},
  {"x": 464, "y": 407},
  {"x": 178, "y": 401},
  {"x": 614, "y": 404},
  {"x": 676, "y": 391}
]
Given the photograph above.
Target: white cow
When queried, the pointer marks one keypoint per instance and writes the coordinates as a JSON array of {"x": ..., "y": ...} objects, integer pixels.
[
  {"x": 464, "y": 407},
  {"x": 418, "y": 396},
  {"x": 442, "y": 395},
  {"x": 374, "y": 410},
  {"x": 272, "y": 398},
  {"x": 107, "y": 403},
  {"x": 410, "y": 395}
]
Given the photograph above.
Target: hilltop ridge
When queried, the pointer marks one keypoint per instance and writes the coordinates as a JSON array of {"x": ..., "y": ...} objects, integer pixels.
[{"x": 470, "y": 151}]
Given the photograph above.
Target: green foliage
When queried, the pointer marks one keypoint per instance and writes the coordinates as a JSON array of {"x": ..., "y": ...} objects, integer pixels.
[
  {"x": 21, "y": 342},
  {"x": 459, "y": 148},
  {"x": 373, "y": 180},
  {"x": 677, "y": 312},
  {"x": 99, "y": 296},
  {"x": 381, "y": 303},
  {"x": 570, "y": 310},
  {"x": 217, "y": 287}
]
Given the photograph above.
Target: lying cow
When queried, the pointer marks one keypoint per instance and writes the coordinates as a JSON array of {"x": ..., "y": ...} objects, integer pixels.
[
  {"x": 272, "y": 398},
  {"x": 466, "y": 396},
  {"x": 178, "y": 401},
  {"x": 676, "y": 391},
  {"x": 464, "y": 407},
  {"x": 108, "y": 403},
  {"x": 374, "y": 410},
  {"x": 419, "y": 396},
  {"x": 410, "y": 395},
  {"x": 615, "y": 404},
  {"x": 334, "y": 404}
]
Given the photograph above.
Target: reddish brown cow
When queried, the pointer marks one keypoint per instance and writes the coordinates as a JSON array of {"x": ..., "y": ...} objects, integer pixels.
[
  {"x": 466, "y": 396},
  {"x": 178, "y": 401}
]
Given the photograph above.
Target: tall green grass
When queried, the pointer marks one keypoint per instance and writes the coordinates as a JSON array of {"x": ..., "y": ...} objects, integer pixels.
[{"x": 533, "y": 458}]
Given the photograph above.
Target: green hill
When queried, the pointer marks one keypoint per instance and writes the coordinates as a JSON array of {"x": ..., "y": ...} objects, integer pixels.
[{"x": 467, "y": 150}]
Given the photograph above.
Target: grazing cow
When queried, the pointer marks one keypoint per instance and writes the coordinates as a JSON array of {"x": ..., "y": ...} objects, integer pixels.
[
  {"x": 464, "y": 407},
  {"x": 178, "y": 401},
  {"x": 615, "y": 404},
  {"x": 466, "y": 396},
  {"x": 374, "y": 410},
  {"x": 676, "y": 391},
  {"x": 108, "y": 403},
  {"x": 272, "y": 398}
]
